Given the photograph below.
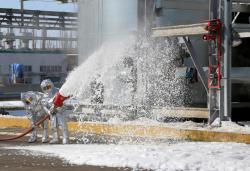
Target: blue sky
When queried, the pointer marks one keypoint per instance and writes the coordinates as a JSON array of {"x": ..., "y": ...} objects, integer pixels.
[{"x": 47, "y": 5}]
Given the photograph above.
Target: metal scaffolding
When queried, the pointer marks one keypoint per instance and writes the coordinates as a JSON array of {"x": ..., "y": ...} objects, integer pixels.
[
  {"x": 50, "y": 28},
  {"x": 218, "y": 33}
]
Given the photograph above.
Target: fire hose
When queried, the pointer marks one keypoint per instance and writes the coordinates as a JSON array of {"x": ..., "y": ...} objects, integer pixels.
[
  {"x": 57, "y": 101},
  {"x": 27, "y": 131}
]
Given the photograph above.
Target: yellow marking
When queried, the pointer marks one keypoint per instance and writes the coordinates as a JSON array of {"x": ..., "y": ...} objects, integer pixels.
[
  {"x": 140, "y": 131},
  {"x": 14, "y": 122}
]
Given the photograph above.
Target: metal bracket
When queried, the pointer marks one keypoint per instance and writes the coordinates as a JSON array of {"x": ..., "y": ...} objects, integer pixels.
[
  {"x": 214, "y": 68},
  {"x": 194, "y": 58}
]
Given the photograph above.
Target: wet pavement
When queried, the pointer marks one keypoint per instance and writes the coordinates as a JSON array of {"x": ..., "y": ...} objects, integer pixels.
[{"x": 21, "y": 160}]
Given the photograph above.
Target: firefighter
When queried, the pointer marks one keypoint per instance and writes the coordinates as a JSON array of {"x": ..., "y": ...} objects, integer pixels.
[
  {"x": 35, "y": 110},
  {"x": 57, "y": 115}
]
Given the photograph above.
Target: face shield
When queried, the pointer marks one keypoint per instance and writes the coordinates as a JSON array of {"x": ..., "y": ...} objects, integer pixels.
[
  {"x": 47, "y": 86},
  {"x": 28, "y": 101},
  {"x": 29, "y": 98}
]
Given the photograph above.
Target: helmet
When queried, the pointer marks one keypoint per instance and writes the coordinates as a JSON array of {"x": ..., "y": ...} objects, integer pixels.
[
  {"x": 47, "y": 86},
  {"x": 29, "y": 98}
]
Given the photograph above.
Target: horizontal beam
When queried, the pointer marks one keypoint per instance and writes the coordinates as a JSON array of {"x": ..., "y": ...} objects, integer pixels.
[
  {"x": 62, "y": 1},
  {"x": 240, "y": 74},
  {"x": 180, "y": 30},
  {"x": 40, "y": 38},
  {"x": 240, "y": 8},
  {"x": 241, "y": 27},
  {"x": 37, "y": 12},
  {"x": 40, "y": 18},
  {"x": 185, "y": 5},
  {"x": 244, "y": 34},
  {"x": 40, "y": 23},
  {"x": 38, "y": 28},
  {"x": 241, "y": 1},
  {"x": 201, "y": 113}
]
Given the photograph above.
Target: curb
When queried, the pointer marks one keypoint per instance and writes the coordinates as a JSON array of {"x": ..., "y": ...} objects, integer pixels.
[{"x": 140, "y": 131}]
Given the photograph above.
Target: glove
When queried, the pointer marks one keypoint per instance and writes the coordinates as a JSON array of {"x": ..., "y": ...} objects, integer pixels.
[
  {"x": 52, "y": 110},
  {"x": 33, "y": 126}
]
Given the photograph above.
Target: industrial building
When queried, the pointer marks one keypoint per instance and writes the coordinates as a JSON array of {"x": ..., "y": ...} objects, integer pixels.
[
  {"x": 149, "y": 84},
  {"x": 43, "y": 42},
  {"x": 213, "y": 34}
]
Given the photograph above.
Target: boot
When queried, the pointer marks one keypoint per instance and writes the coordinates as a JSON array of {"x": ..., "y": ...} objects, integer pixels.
[
  {"x": 33, "y": 137},
  {"x": 45, "y": 137},
  {"x": 65, "y": 141},
  {"x": 65, "y": 133},
  {"x": 55, "y": 139}
]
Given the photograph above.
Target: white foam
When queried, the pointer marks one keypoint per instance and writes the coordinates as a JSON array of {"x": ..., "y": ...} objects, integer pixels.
[
  {"x": 189, "y": 156},
  {"x": 98, "y": 63}
]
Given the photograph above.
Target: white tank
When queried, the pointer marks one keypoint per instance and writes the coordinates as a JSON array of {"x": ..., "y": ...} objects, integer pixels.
[{"x": 104, "y": 20}]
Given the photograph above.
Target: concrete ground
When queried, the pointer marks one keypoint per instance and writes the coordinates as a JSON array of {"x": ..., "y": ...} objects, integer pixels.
[{"x": 15, "y": 160}]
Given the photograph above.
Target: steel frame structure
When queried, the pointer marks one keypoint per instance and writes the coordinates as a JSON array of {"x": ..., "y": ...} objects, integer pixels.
[
  {"x": 15, "y": 20},
  {"x": 220, "y": 47},
  {"x": 219, "y": 99},
  {"x": 33, "y": 19}
]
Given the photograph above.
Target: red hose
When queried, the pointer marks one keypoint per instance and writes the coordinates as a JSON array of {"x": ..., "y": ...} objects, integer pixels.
[{"x": 27, "y": 131}]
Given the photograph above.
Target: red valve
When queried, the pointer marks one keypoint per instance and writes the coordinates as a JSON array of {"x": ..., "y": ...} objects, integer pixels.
[
  {"x": 214, "y": 34},
  {"x": 213, "y": 25},
  {"x": 207, "y": 37}
]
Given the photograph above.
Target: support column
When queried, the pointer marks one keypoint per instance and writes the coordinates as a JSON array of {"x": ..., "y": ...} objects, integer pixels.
[
  {"x": 216, "y": 95},
  {"x": 44, "y": 35},
  {"x": 22, "y": 8},
  {"x": 227, "y": 44}
]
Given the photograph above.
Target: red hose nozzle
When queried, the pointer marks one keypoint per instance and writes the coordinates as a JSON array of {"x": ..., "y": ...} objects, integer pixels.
[{"x": 59, "y": 99}]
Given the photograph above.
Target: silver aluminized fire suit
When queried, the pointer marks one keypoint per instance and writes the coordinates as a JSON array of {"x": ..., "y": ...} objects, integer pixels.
[
  {"x": 35, "y": 111},
  {"x": 57, "y": 117}
]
